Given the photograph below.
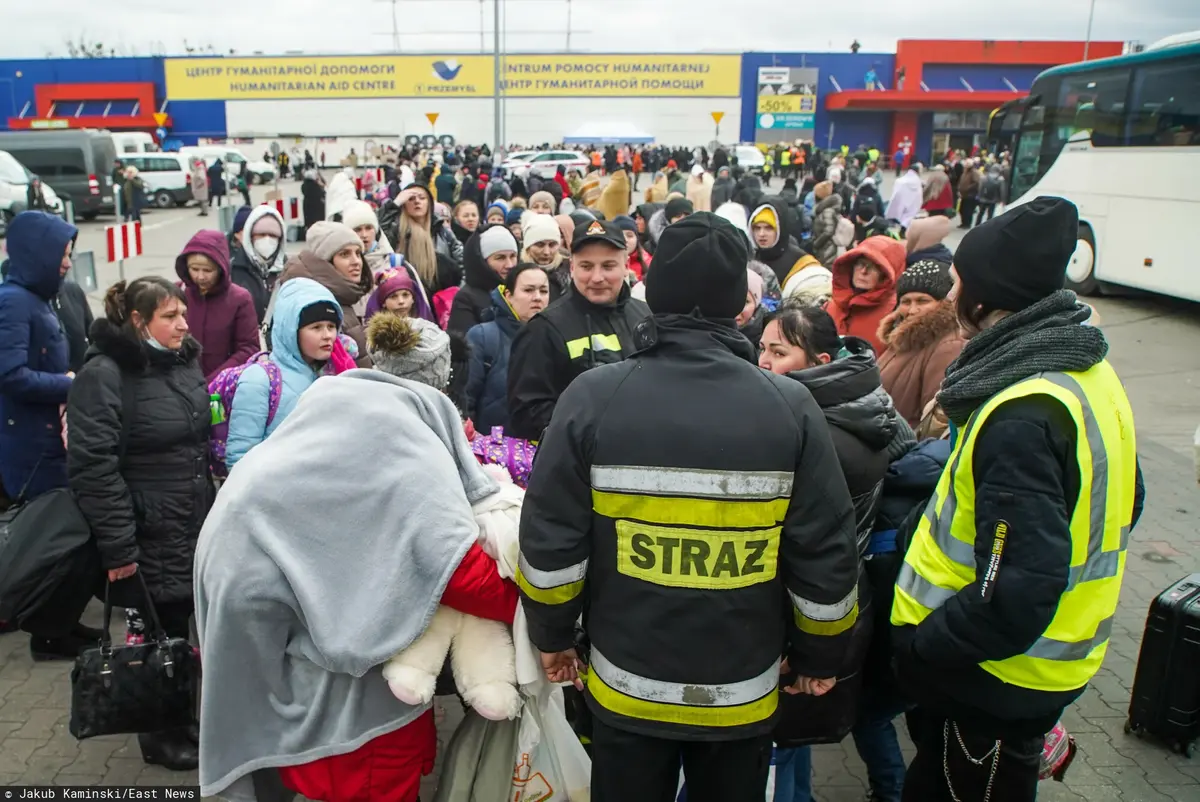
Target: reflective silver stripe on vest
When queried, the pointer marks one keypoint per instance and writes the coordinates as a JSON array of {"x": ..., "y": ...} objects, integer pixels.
[
  {"x": 1051, "y": 649},
  {"x": 921, "y": 589},
  {"x": 825, "y": 612},
  {"x": 546, "y": 580},
  {"x": 1099, "y": 564},
  {"x": 734, "y": 485},
  {"x": 689, "y": 694}
]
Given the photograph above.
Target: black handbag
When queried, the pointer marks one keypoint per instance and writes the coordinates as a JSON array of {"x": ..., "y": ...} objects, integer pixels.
[{"x": 127, "y": 689}]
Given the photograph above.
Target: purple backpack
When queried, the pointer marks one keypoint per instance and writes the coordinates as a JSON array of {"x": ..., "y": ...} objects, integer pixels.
[{"x": 224, "y": 385}]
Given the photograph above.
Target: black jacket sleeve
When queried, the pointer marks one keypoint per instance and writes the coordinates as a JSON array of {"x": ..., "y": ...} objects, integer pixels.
[
  {"x": 556, "y": 523},
  {"x": 538, "y": 371},
  {"x": 1023, "y": 466},
  {"x": 818, "y": 549},
  {"x": 94, "y": 416}
]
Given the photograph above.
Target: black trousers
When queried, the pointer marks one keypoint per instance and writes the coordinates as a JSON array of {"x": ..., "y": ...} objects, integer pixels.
[
  {"x": 939, "y": 753},
  {"x": 966, "y": 210},
  {"x": 988, "y": 209},
  {"x": 637, "y": 768}
]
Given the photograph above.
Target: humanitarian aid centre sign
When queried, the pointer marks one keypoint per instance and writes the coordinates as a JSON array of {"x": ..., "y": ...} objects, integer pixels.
[{"x": 538, "y": 75}]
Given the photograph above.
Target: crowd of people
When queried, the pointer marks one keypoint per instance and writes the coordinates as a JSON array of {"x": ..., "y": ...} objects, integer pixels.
[{"x": 800, "y": 471}]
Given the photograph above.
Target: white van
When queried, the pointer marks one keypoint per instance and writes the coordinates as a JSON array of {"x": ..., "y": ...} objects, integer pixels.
[
  {"x": 165, "y": 176},
  {"x": 259, "y": 172},
  {"x": 134, "y": 142}
]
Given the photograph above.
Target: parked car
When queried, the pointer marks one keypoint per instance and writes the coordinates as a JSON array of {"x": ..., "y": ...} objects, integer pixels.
[
  {"x": 546, "y": 163},
  {"x": 134, "y": 142},
  {"x": 76, "y": 163},
  {"x": 259, "y": 172},
  {"x": 14, "y": 189},
  {"x": 750, "y": 159},
  {"x": 165, "y": 176}
]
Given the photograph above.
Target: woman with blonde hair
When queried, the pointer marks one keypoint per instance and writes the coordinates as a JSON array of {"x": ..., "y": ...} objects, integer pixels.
[{"x": 426, "y": 241}]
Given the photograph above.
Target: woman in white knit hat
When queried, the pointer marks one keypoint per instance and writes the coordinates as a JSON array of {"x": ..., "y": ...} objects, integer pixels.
[{"x": 543, "y": 247}]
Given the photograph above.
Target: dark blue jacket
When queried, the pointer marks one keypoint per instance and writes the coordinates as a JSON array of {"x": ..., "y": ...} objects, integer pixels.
[
  {"x": 34, "y": 357},
  {"x": 487, "y": 372}
]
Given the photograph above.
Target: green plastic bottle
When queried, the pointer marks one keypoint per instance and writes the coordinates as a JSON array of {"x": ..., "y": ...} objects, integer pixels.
[{"x": 216, "y": 408}]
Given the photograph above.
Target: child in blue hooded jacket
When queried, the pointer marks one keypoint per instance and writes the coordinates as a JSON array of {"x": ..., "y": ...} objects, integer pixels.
[{"x": 303, "y": 331}]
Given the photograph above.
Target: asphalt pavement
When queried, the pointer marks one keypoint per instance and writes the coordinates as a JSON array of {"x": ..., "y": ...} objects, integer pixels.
[{"x": 1155, "y": 348}]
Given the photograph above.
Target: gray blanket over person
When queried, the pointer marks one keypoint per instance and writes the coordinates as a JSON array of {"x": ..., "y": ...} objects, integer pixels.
[{"x": 314, "y": 567}]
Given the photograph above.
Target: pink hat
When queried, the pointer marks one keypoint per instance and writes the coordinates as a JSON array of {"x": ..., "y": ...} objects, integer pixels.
[{"x": 391, "y": 282}]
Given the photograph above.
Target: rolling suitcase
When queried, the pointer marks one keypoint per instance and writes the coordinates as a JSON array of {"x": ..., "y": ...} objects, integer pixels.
[{"x": 1166, "y": 689}]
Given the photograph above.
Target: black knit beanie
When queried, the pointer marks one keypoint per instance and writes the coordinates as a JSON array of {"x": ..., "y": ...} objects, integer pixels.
[
  {"x": 320, "y": 312},
  {"x": 700, "y": 264},
  {"x": 928, "y": 276},
  {"x": 1015, "y": 260}
]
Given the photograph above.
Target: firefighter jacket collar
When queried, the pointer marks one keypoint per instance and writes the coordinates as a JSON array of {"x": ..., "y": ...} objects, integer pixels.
[{"x": 690, "y": 332}]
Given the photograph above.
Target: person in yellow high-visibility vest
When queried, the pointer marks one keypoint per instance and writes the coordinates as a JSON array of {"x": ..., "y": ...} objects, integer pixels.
[{"x": 1005, "y": 601}]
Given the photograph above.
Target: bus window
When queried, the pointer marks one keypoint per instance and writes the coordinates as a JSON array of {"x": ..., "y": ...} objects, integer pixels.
[
  {"x": 1027, "y": 160},
  {"x": 1166, "y": 105},
  {"x": 1093, "y": 102}
]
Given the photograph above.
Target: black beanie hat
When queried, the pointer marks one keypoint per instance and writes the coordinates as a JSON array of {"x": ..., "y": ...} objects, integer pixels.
[
  {"x": 700, "y": 263},
  {"x": 320, "y": 312},
  {"x": 1015, "y": 260},
  {"x": 678, "y": 206}
]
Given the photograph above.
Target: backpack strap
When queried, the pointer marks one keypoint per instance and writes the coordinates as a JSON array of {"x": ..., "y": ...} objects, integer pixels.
[{"x": 275, "y": 383}]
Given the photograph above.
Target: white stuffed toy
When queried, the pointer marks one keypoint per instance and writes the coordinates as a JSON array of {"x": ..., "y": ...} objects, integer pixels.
[{"x": 482, "y": 655}]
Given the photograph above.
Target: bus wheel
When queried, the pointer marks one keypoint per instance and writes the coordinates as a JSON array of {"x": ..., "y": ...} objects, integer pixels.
[{"x": 1081, "y": 270}]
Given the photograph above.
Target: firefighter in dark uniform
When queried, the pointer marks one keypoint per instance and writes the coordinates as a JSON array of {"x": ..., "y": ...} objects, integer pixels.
[
  {"x": 690, "y": 506},
  {"x": 591, "y": 325}
]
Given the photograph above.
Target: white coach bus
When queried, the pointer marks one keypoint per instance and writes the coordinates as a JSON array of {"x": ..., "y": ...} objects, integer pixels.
[{"x": 1120, "y": 137}]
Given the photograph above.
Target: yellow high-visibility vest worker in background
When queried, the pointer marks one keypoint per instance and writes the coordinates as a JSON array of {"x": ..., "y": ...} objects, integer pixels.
[{"x": 1005, "y": 602}]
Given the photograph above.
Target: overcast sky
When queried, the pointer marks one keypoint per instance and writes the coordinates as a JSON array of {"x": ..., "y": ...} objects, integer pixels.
[{"x": 141, "y": 27}]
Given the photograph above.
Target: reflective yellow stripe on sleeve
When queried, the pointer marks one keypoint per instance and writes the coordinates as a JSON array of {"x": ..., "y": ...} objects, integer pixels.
[
  {"x": 825, "y": 619},
  {"x": 550, "y": 587},
  {"x": 726, "y": 705}
]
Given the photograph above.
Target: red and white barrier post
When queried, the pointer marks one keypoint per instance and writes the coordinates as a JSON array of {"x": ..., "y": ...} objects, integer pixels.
[
  {"x": 288, "y": 208},
  {"x": 124, "y": 242}
]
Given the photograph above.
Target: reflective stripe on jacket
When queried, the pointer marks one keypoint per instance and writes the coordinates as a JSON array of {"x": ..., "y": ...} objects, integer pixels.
[{"x": 941, "y": 563}]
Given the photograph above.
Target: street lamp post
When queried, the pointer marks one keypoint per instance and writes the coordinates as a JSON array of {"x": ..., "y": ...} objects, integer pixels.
[{"x": 1087, "y": 41}]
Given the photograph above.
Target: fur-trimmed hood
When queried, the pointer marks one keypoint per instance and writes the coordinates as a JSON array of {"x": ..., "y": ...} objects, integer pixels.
[
  {"x": 906, "y": 336},
  {"x": 131, "y": 353}
]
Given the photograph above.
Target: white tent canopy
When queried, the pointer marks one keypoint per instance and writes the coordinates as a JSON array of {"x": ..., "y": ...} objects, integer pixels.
[{"x": 608, "y": 133}]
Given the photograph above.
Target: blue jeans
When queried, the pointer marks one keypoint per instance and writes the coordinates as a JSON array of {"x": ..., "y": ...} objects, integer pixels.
[
  {"x": 793, "y": 774},
  {"x": 875, "y": 738}
]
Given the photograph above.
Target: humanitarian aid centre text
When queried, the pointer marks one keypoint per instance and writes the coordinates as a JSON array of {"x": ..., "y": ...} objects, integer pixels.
[{"x": 468, "y": 76}]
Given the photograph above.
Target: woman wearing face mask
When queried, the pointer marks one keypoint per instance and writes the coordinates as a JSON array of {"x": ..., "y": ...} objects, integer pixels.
[
  {"x": 303, "y": 330},
  {"x": 523, "y": 293},
  {"x": 411, "y": 227},
  {"x": 223, "y": 319},
  {"x": 801, "y": 342},
  {"x": 258, "y": 256},
  {"x": 543, "y": 247},
  {"x": 864, "y": 288},
  {"x": 465, "y": 220},
  {"x": 143, "y": 377},
  {"x": 332, "y": 257}
]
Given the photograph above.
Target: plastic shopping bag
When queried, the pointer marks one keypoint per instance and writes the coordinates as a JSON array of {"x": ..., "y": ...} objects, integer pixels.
[{"x": 549, "y": 764}]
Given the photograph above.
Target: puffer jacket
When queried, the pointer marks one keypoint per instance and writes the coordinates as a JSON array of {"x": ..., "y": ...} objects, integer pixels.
[
  {"x": 446, "y": 246},
  {"x": 248, "y": 415},
  {"x": 472, "y": 305},
  {"x": 824, "y": 226},
  {"x": 149, "y": 507},
  {"x": 222, "y": 320},
  {"x": 867, "y": 434},
  {"x": 250, "y": 271},
  {"x": 34, "y": 356},
  {"x": 490, "y": 343},
  {"x": 860, "y": 313}
]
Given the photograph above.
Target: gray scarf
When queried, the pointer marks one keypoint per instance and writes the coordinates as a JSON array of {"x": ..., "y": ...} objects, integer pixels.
[{"x": 1048, "y": 336}]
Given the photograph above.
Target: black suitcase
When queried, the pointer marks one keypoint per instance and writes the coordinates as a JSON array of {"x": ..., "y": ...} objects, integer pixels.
[{"x": 1166, "y": 689}]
